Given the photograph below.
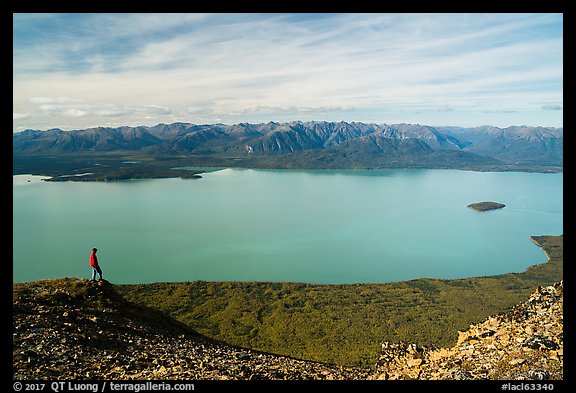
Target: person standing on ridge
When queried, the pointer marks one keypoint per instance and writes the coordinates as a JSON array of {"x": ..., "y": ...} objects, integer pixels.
[{"x": 94, "y": 264}]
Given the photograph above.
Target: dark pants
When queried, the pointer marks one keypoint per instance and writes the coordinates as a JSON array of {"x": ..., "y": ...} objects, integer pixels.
[{"x": 96, "y": 269}]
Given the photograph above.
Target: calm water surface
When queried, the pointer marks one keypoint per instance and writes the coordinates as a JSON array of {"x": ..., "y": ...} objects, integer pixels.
[{"x": 306, "y": 226}]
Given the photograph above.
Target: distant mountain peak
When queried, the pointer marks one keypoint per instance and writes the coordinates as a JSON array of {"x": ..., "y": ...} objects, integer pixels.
[{"x": 516, "y": 145}]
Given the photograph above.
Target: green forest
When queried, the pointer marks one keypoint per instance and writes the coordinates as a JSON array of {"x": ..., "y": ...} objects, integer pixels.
[{"x": 345, "y": 324}]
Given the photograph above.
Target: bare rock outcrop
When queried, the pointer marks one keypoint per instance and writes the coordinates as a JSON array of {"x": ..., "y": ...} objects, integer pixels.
[
  {"x": 525, "y": 343},
  {"x": 77, "y": 329}
]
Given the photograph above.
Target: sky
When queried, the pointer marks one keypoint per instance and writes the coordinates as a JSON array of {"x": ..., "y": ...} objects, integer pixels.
[{"x": 74, "y": 71}]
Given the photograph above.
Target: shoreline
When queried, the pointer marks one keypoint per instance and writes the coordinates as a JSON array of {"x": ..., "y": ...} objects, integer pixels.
[
  {"x": 541, "y": 248},
  {"x": 531, "y": 237},
  {"x": 427, "y": 312},
  {"x": 359, "y": 317},
  {"x": 198, "y": 171}
]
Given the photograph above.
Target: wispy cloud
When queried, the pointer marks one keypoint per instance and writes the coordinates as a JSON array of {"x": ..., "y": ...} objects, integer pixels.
[
  {"x": 552, "y": 107},
  {"x": 236, "y": 67},
  {"x": 69, "y": 107}
]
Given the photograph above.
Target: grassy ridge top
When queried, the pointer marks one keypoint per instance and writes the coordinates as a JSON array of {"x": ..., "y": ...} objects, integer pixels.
[{"x": 345, "y": 324}]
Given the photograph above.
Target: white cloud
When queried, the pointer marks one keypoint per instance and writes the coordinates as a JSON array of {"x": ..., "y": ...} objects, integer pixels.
[
  {"x": 209, "y": 66},
  {"x": 70, "y": 107},
  {"x": 20, "y": 116},
  {"x": 52, "y": 100}
]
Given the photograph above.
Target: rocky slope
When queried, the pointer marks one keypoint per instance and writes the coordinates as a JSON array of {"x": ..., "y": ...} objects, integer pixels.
[
  {"x": 77, "y": 329},
  {"x": 525, "y": 343}
]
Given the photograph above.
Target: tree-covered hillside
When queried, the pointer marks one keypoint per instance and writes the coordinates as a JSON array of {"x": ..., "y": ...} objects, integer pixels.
[{"x": 345, "y": 324}]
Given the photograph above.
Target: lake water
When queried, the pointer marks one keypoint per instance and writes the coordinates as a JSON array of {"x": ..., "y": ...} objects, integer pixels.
[{"x": 305, "y": 226}]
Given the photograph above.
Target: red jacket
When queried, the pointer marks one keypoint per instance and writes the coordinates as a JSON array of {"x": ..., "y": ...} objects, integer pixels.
[{"x": 93, "y": 259}]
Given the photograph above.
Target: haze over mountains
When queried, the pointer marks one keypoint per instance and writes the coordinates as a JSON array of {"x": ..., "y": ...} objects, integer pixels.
[{"x": 316, "y": 144}]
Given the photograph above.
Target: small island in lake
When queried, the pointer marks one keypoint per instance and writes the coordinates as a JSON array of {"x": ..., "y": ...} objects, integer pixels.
[{"x": 484, "y": 206}]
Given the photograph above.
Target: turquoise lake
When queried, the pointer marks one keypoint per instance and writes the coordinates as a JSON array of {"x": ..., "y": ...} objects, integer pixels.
[{"x": 274, "y": 225}]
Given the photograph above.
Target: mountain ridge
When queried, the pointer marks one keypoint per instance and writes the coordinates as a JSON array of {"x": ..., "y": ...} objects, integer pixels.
[{"x": 343, "y": 141}]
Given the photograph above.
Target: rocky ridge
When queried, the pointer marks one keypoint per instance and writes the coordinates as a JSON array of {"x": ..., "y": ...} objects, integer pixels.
[
  {"x": 526, "y": 343},
  {"x": 77, "y": 329}
]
